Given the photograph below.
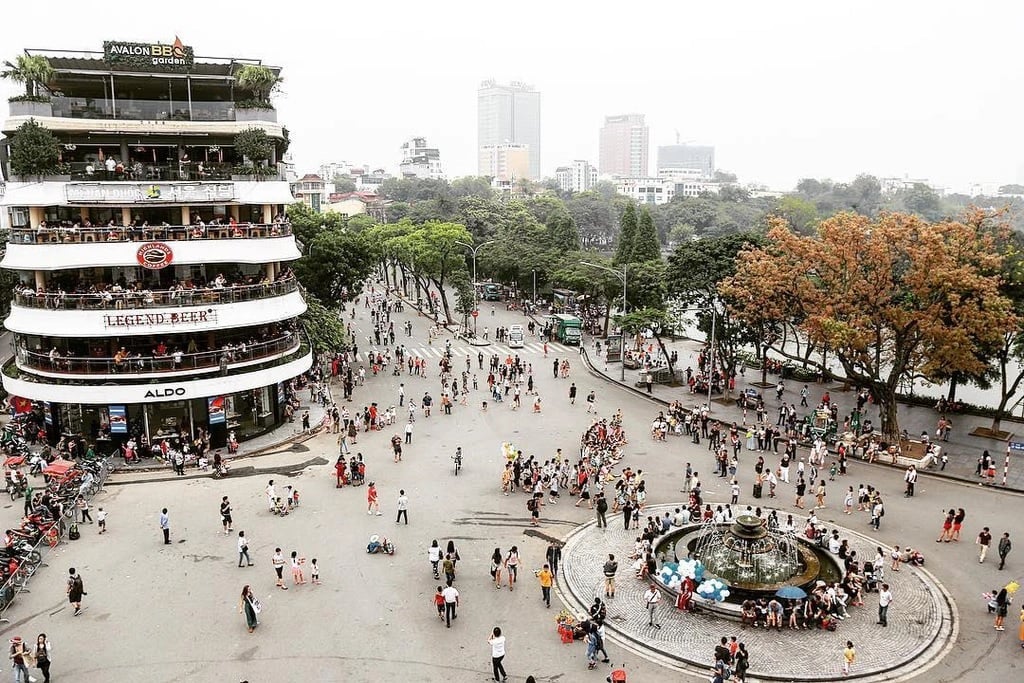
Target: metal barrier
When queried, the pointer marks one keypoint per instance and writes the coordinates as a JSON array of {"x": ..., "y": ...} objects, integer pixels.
[{"x": 19, "y": 580}]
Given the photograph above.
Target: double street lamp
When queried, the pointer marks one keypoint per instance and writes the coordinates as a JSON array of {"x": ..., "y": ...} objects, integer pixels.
[
  {"x": 622, "y": 276},
  {"x": 473, "y": 250}
]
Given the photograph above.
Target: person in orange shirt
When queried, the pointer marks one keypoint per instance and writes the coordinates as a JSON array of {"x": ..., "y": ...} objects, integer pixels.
[{"x": 545, "y": 577}]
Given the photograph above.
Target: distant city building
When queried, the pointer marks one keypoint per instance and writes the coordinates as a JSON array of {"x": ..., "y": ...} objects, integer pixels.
[
  {"x": 355, "y": 203},
  {"x": 333, "y": 169},
  {"x": 698, "y": 157},
  {"x": 646, "y": 190},
  {"x": 681, "y": 174},
  {"x": 509, "y": 114},
  {"x": 369, "y": 181},
  {"x": 506, "y": 162},
  {"x": 579, "y": 177},
  {"x": 312, "y": 191},
  {"x": 695, "y": 188},
  {"x": 420, "y": 161},
  {"x": 624, "y": 145},
  {"x": 894, "y": 185}
]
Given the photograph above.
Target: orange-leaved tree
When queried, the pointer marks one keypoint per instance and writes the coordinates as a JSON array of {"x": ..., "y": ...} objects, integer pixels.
[{"x": 893, "y": 297}]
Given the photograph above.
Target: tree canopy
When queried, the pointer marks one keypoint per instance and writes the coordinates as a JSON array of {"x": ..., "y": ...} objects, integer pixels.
[{"x": 892, "y": 297}]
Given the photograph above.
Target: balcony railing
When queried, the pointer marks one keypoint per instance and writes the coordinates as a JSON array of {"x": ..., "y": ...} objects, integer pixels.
[
  {"x": 131, "y": 299},
  {"x": 150, "y": 172},
  {"x": 151, "y": 232},
  {"x": 172, "y": 363},
  {"x": 142, "y": 110}
]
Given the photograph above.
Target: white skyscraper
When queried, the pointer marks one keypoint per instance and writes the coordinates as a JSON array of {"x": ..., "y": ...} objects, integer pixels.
[{"x": 509, "y": 114}]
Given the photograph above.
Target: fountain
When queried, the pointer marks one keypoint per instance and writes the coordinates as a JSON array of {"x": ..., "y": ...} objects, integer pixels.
[{"x": 753, "y": 560}]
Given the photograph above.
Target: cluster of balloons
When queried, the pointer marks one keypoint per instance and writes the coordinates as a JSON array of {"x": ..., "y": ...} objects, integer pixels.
[
  {"x": 672, "y": 574},
  {"x": 713, "y": 589}
]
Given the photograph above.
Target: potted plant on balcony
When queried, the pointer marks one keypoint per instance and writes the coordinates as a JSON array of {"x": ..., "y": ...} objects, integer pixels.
[
  {"x": 258, "y": 82},
  {"x": 255, "y": 146},
  {"x": 35, "y": 153},
  {"x": 35, "y": 72}
]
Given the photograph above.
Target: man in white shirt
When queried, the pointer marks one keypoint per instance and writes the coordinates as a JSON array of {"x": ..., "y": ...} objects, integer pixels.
[
  {"x": 497, "y": 642},
  {"x": 884, "y": 600},
  {"x": 271, "y": 494},
  {"x": 651, "y": 599},
  {"x": 451, "y": 601},
  {"x": 403, "y": 507}
]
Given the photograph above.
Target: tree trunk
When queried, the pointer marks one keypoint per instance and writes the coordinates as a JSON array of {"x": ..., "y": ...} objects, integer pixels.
[
  {"x": 887, "y": 407},
  {"x": 997, "y": 422},
  {"x": 764, "y": 365},
  {"x": 444, "y": 302},
  {"x": 951, "y": 396},
  {"x": 668, "y": 357}
]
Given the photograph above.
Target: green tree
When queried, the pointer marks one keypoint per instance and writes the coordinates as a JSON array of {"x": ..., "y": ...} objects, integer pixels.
[
  {"x": 343, "y": 184},
  {"x": 695, "y": 271},
  {"x": 798, "y": 212},
  {"x": 562, "y": 235},
  {"x": 627, "y": 233},
  {"x": 656, "y": 320},
  {"x": 465, "y": 296},
  {"x": 923, "y": 201},
  {"x": 645, "y": 246},
  {"x": 33, "y": 71},
  {"x": 254, "y": 144},
  {"x": 1012, "y": 188},
  {"x": 472, "y": 186},
  {"x": 324, "y": 327},
  {"x": 336, "y": 264},
  {"x": 259, "y": 81},
  {"x": 34, "y": 151},
  {"x": 595, "y": 217},
  {"x": 435, "y": 249}
]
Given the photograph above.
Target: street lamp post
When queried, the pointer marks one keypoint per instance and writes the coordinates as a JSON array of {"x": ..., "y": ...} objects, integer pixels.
[
  {"x": 622, "y": 276},
  {"x": 473, "y": 250}
]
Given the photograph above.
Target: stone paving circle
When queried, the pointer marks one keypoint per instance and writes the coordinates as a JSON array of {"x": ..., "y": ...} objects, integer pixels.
[{"x": 923, "y": 621}]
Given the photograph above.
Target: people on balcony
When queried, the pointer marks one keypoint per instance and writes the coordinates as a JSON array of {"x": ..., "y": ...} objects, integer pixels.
[
  {"x": 121, "y": 294},
  {"x": 140, "y": 229},
  {"x": 141, "y": 354}
]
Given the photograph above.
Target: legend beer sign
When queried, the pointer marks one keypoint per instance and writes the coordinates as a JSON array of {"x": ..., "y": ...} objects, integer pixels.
[
  {"x": 163, "y": 320},
  {"x": 148, "y": 56}
]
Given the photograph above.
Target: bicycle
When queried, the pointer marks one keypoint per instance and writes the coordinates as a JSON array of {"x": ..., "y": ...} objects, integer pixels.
[{"x": 458, "y": 460}]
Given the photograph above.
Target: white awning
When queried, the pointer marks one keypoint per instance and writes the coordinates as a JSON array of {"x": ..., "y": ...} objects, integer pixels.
[
  {"x": 34, "y": 194},
  {"x": 263, "y": 192}
]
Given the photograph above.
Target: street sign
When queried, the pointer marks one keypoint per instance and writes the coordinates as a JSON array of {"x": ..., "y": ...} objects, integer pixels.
[
  {"x": 1016, "y": 446},
  {"x": 476, "y": 313}
]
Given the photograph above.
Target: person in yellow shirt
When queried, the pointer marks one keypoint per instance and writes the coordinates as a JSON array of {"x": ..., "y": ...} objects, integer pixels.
[
  {"x": 849, "y": 654},
  {"x": 545, "y": 577}
]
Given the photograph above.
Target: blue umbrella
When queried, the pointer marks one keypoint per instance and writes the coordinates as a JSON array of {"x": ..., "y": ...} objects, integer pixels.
[{"x": 791, "y": 593}]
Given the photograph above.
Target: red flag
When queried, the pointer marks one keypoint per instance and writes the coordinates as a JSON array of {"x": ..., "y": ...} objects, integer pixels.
[{"x": 21, "y": 405}]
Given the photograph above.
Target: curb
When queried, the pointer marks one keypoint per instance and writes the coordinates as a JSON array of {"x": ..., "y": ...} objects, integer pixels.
[{"x": 937, "y": 474}]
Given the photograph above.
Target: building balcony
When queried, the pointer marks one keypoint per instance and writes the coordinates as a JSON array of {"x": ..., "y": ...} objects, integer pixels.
[
  {"x": 149, "y": 299},
  {"x": 162, "y": 233},
  {"x": 138, "y": 366},
  {"x": 136, "y": 388},
  {"x": 142, "y": 110},
  {"x": 159, "y": 171}
]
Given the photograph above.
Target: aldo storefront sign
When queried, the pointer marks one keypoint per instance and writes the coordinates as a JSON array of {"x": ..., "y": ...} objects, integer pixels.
[{"x": 148, "y": 56}]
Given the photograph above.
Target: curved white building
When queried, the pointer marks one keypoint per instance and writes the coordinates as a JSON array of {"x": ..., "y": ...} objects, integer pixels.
[{"x": 155, "y": 294}]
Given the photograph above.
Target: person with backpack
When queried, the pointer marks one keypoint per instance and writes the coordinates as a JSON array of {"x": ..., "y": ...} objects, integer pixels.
[
  {"x": 75, "y": 590},
  {"x": 602, "y": 509},
  {"x": 534, "y": 505}
]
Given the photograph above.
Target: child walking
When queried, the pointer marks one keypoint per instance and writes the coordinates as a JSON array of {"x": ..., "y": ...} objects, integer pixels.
[
  {"x": 101, "y": 520},
  {"x": 314, "y": 572},
  {"x": 297, "y": 578}
]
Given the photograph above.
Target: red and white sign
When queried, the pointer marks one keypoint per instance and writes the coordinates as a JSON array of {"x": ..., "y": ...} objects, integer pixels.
[
  {"x": 475, "y": 313},
  {"x": 154, "y": 255}
]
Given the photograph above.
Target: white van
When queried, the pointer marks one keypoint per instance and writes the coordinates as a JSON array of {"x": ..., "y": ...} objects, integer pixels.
[{"x": 516, "y": 336}]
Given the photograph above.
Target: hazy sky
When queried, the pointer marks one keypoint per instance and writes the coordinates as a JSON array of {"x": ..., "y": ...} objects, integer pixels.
[{"x": 784, "y": 90}]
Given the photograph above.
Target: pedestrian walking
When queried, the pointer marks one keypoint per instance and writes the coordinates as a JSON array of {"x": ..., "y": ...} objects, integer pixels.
[
  {"x": 572, "y": 394},
  {"x": 41, "y": 653},
  {"x": 545, "y": 578},
  {"x": 448, "y": 567},
  {"x": 75, "y": 590},
  {"x": 371, "y": 500},
  {"x": 250, "y": 606},
  {"x": 849, "y": 654},
  {"x": 496, "y": 565},
  {"x": 1004, "y": 548},
  {"x": 512, "y": 566},
  {"x": 298, "y": 578},
  {"x": 649, "y": 380},
  {"x": 591, "y": 399},
  {"x": 554, "y": 557},
  {"x": 243, "y": 549},
  {"x": 434, "y": 555},
  {"x": 19, "y": 660},
  {"x": 451, "y": 601},
  {"x": 403, "y": 507},
  {"x": 101, "y": 520},
  {"x": 82, "y": 506},
  {"x": 610, "y": 568},
  {"x": 225, "y": 514},
  {"x": 651, "y": 599},
  {"x": 983, "y": 541},
  {"x": 601, "y": 505},
  {"x": 271, "y": 495},
  {"x": 1002, "y": 607},
  {"x": 884, "y": 600},
  {"x": 408, "y": 432},
  {"x": 165, "y": 526},
  {"x": 497, "y": 642},
  {"x": 278, "y": 561},
  {"x": 314, "y": 572}
]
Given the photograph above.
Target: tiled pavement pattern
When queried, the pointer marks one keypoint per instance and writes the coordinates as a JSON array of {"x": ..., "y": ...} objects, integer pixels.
[{"x": 921, "y": 620}]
